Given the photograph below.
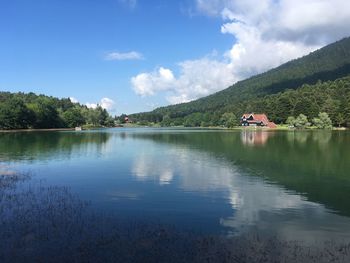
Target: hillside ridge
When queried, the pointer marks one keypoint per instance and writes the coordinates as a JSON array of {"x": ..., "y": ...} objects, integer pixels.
[{"x": 325, "y": 64}]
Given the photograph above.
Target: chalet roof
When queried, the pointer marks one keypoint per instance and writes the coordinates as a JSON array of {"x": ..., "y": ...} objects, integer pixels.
[
  {"x": 257, "y": 117},
  {"x": 271, "y": 124},
  {"x": 261, "y": 117}
]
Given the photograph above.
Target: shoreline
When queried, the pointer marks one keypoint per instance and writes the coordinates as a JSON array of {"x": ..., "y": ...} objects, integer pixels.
[
  {"x": 35, "y": 130},
  {"x": 242, "y": 128},
  {"x": 179, "y": 127}
]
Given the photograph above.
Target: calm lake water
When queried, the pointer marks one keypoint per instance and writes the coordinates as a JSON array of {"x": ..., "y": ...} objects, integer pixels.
[{"x": 294, "y": 184}]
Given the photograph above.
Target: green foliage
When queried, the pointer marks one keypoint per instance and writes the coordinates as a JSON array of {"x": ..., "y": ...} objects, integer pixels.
[
  {"x": 46, "y": 115},
  {"x": 166, "y": 121},
  {"x": 14, "y": 114},
  {"x": 314, "y": 83},
  {"x": 339, "y": 119},
  {"x": 323, "y": 121},
  {"x": 291, "y": 121},
  {"x": 229, "y": 120},
  {"x": 21, "y": 111},
  {"x": 301, "y": 122},
  {"x": 193, "y": 120},
  {"x": 109, "y": 121},
  {"x": 102, "y": 116},
  {"x": 73, "y": 117}
]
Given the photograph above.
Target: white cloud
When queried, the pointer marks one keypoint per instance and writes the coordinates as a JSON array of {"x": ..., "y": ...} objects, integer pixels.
[
  {"x": 73, "y": 100},
  {"x": 197, "y": 78},
  {"x": 91, "y": 105},
  {"x": 105, "y": 103},
  {"x": 252, "y": 54},
  {"x": 313, "y": 22},
  {"x": 266, "y": 34},
  {"x": 132, "y": 55},
  {"x": 269, "y": 33},
  {"x": 146, "y": 84}
]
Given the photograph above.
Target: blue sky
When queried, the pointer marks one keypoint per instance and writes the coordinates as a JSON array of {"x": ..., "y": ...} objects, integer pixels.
[{"x": 145, "y": 53}]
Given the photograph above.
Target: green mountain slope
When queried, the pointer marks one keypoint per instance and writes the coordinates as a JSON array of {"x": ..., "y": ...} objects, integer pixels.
[
  {"x": 326, "y": 64},
  {"x": 332, "y": 97}
]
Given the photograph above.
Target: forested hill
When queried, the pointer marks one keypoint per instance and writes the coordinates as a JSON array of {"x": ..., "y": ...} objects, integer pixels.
[
  {"x": 21, "y": 111},
  {"x": 326, "y": 64}
]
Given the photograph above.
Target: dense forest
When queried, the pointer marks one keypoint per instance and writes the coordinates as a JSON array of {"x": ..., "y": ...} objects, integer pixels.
[
  {"x": 22, "y": 111},
  {"x": 312, "y": 84}
]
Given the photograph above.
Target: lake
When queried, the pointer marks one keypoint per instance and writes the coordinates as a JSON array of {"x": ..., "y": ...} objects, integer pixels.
[{"x": 292, "y": 184}]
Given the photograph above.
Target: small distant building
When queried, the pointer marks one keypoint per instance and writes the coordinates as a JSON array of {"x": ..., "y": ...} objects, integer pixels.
[
  {"x": 127, "y": 120},
  {"x": 261, "y": 120}
]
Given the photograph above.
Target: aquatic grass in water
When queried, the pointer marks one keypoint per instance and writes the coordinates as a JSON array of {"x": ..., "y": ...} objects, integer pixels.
[{"x": 50, "y": 224}]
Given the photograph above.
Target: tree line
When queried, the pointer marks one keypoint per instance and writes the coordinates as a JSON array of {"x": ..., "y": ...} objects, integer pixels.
[
  {"x": 22, "y": 111},
  {"x": 331, "y": 97}
]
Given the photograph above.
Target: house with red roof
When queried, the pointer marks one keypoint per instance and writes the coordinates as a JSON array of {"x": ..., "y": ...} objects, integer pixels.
[{"x": 261, "y": 120}]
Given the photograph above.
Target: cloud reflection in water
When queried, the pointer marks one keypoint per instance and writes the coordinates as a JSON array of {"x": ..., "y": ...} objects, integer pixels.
[{"x": 254, "y": 201}]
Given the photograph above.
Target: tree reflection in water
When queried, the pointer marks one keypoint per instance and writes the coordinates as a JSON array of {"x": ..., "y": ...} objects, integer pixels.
[{"x": 50, "y": 224}]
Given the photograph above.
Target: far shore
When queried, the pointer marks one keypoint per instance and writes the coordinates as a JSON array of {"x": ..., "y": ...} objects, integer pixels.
[
  {"x": 53, "y": 129},
  {"x": 35, "y": 130},
  {"x": 250, "y": 128},
  {"x": 279, "y": 128}
]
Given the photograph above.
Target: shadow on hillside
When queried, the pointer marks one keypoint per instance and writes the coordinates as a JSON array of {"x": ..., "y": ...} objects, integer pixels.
[{"x": 313, "y": 79}]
